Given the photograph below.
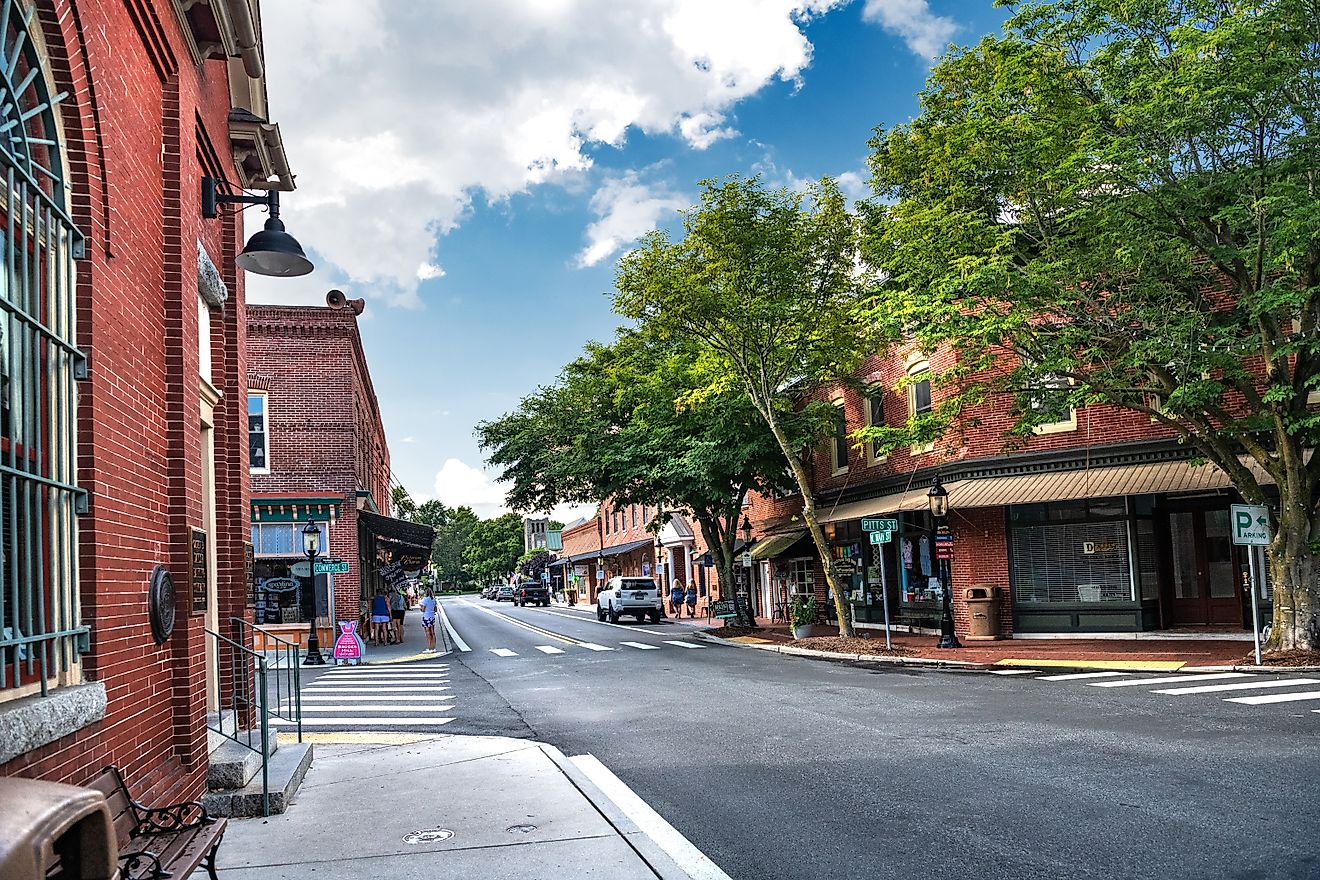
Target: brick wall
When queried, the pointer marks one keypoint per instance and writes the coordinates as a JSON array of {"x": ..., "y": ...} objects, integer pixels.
[
  {"x": 324, "y": 430},
  {"x": 141, "y": 121}
]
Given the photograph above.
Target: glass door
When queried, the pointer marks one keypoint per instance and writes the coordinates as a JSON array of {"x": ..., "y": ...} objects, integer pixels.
[{"x": 1204, "y": 569}]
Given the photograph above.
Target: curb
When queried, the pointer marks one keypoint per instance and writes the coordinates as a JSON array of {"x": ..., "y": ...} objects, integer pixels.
[
  {"x": 638, "y": 840},
  {"x": 973, "y": 666}
]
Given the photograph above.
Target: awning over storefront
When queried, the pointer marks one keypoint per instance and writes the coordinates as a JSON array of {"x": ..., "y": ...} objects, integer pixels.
[
  {"x": 295, "y": 508},
  {"x": 406, "y": 543},
  {"x": 774, "y": 545},
  {"x": 1136, "y": 479},
  {"x": 626, "y": 548}
]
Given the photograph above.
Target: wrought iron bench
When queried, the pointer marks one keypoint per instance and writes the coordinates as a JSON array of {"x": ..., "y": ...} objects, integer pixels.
[{"x": 159, "y": 842}]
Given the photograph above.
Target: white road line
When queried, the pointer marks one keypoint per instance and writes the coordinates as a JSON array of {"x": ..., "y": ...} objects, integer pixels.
[
  {"x": 429, "y": 694},
  {"x": 696, "y": 864},
  {"x": 365, "y": 682},
  {"x": 1240, "y": 686},
  {"x": 1073, "y": 676},
  {"x": 378, "y": 676},
  {"x": 1275, "y": 698},
  {"x": 428, "y": 721},
  {"x": 368, "y": 689},
  {"x": 503, "y": 652},
  {"x": 639, "y": 646},
  {"x": 581, "y": 619},
  {"x": 441, "y": 705},
  {"x": 449, "y": 628},
  {"x": 593, "y": 647},
  {"x": 1014, "y": 671},
  {"x": 549, "y": 649},
  {"x": 683, "y": 644},
  {"x": 1171, "y": 679}
]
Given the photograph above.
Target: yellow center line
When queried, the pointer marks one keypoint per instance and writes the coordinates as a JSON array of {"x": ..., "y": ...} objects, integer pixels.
[{"x": 536, "y": 629}]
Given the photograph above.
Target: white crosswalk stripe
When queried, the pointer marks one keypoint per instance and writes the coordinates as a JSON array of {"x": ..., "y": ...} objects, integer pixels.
[
  {"x": 641, "y": 647},
  {"x": 503, "y": 652},
  {"x": 683, "y": 644},
  {"x": 593, "y": 647},
  {"x": 549, "y": 649},
  {"x": 1274, "y": 698},
  {"x": 1171, "y": 679},
  {"x": 1238, "y": 686},
  {"x": 417, "y": 699}
]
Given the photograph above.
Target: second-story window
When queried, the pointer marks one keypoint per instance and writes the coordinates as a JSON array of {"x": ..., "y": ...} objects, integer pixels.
[
  {"x": 919, "y": 398},
  {"x": 875, "y": 418},
  {"x": 258, "y": 444},
  {"x": 1050, "y": 399},
  {"x": 839, "y": 445}
]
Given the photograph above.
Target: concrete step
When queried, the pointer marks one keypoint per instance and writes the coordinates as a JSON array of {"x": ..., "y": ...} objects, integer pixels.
[
  {"x": 223, "y": 720},
  {"x": 286, "y": 769},
  {"x": 233, "y": 764}
]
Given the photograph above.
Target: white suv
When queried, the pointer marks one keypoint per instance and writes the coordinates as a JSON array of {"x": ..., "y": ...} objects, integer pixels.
[{"x": 637, "y": 596}]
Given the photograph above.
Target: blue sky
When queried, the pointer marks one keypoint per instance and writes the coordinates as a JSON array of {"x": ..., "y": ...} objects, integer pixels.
[{"x": 475, "y": 170}]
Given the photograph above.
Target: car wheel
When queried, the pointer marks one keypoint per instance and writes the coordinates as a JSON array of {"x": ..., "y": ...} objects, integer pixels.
[
  {"x": 655, "y": 616},
  {"x": 614, "y": 615},
  {"x": 600, "y": 613}
]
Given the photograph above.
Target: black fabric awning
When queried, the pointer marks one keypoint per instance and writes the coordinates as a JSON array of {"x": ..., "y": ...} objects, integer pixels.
[
  {"x": 411, "y": 542},
  {"x": 626, "y": 548}
]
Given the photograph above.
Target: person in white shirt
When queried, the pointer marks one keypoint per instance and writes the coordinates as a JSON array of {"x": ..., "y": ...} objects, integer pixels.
[{"x": 428, "y": 619}]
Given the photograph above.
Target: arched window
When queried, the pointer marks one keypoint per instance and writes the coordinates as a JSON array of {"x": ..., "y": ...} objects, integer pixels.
[{"x": 42, "y": 634}]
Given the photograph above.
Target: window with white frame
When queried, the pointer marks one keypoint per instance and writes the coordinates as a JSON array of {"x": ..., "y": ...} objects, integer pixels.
[
  {"x": 258, "y": 434},
  {"x": 42, "y": 635},
  {"x": 285, "y": 539},
  {"x": 1049, "y": 398},
  {"x": 919, "y": 398},
  {"x": 875, "y": 418},
  {"x": 839, "y": 442}
]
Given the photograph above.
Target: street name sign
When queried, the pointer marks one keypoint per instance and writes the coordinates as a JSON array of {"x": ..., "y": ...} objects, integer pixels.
[
  {"x": 871, "y": 524},
  {"x": 332, "y": 567},
  {"x": 1251, "y": 525},
  {"x": 883, "y": 537}
]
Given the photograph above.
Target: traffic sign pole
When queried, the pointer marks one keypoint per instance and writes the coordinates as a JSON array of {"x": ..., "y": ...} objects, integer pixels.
[
  {"x": 884, "y": 597},
  {"x": 1255, "y": 600}
]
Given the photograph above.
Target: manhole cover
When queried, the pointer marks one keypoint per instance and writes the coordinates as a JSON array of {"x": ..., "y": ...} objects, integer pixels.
[
  {"x": 520, "y": 829},
  {"x": 431, "y": 835}
]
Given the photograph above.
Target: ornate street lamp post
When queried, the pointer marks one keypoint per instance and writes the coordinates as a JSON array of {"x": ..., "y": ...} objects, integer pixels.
[
  {"x": 939, "y": 511},
  {"x": 311, "y": 546}
]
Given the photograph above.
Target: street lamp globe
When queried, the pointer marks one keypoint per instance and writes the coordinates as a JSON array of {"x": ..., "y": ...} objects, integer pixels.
[
  {"x": 311, "y": 538},
  {"x": 746, "y": 530},
  {"x": 939, "y": 499}
]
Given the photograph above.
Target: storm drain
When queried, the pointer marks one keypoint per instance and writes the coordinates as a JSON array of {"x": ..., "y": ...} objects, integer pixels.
[
  {"x": 430, "y": 835},
  {"x": 520, "y": 829}
]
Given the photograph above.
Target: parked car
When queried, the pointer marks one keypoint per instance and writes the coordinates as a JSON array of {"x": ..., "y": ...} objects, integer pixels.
[
  {"x": 532, "y": 593},
  {"x": 505, "y": 591},
  {"x": 635, "y": 596}
]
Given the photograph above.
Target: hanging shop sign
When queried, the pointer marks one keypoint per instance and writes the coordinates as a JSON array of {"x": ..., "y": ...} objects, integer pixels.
[
  {"x": 844, "y": 567},
  {"x": 199, "y": 570}
]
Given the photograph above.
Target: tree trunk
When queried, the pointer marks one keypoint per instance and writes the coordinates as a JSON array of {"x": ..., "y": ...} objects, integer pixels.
[
  {"x": 720, "y": 543},
  {"x": 809, "y": 515},
  {"x": 1296, "y": 617}
]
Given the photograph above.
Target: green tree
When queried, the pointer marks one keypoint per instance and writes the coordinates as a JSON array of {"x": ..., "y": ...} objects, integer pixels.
[
  {"x": 452, "y": 534},
  {"x": 1116, "y": 202},
  {"x": 402, "y": 503},
  {"x": 767, "y": 280},
  {"x": 533, "y": 562},
  {"x": 493, "y": 547},
  {"x": 638, "y": 422}
]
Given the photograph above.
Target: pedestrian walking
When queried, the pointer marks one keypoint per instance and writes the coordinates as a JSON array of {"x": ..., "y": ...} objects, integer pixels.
[
  {"x": 380, "y": 618},
  {"x": 692, "y": 600},
  {"x": 398, "y": 608},
  {"x": 428, "y": 619},
  {"x": 676, "y": 598}
]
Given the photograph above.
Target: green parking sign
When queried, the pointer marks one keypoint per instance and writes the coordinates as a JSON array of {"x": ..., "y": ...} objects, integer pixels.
[{"x": 1251, "y": 525}]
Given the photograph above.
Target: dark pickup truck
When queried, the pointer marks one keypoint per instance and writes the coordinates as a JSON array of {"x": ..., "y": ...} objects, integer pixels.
[{"x": 531, "y": 593}]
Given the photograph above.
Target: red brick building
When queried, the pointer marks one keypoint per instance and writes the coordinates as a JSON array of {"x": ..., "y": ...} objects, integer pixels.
[
  {"x": 317, "y": 450},
  {"x": 124, "y": 380}
]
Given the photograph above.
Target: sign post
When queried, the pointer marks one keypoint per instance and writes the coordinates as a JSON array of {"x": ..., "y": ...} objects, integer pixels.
[
  {"x": 882, "y": 532},
  {"x": 1251, "y": 529}
]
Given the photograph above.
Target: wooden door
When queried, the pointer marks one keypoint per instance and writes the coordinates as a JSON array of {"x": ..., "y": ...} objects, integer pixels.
[{"x": 1204, "y": 565}]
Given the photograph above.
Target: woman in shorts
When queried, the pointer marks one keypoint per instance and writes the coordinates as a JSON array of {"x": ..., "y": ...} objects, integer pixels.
[
  {"x": 428, "y": 620},
  {"x": 380, "y": 618},
  {"x": 398, "y": 606}
]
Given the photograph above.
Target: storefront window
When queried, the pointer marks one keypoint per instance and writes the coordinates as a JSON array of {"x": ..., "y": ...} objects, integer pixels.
[{"x": 1071, "y": 552}]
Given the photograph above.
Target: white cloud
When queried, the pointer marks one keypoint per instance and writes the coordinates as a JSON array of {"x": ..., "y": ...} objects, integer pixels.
[
  {"x": 409, "y": 439},
  {"x": 853, "y": 185},
  {"x": 458, "y": 484},
  {"x": 925, "y": 33},
  {"x": 628, "y": 208},
  {"x": 399, "y": 115}
]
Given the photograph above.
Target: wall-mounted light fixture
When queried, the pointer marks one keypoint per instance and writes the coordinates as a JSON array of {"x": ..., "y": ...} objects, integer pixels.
[{"x": 272, "y": 251}]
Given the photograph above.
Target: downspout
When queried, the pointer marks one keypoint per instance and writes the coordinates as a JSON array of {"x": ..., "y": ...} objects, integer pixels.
[{"x": 245, "y": 34}]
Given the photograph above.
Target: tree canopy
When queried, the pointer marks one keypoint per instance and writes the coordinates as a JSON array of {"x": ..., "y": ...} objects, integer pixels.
[
  {"x": 493, "y": 547},
  {"x": 1116, "y": 202}
]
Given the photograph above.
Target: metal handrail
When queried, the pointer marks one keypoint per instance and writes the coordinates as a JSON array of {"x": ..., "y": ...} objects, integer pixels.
[
  {"x": 288, "y": 670},
  {"x": 245, "y": 693}
]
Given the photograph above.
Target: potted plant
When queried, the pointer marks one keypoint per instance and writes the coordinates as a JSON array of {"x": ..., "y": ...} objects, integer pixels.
[{"x": 804, "y": 615}]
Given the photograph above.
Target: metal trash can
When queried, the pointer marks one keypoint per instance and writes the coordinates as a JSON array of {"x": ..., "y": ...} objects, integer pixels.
[
  {"x": 983, "y": 613},
  {"x": 51, "y": 828}
]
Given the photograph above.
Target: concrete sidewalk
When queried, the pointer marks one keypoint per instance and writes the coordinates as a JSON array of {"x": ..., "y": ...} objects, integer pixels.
[{"x": 459, "y": 806}]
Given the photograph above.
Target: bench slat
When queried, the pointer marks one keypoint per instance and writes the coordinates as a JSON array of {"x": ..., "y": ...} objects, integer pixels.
[{"x": 179, "y": 852}]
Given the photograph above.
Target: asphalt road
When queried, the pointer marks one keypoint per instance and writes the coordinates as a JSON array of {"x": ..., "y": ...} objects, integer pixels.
[{"x": 781, "y": 767}]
